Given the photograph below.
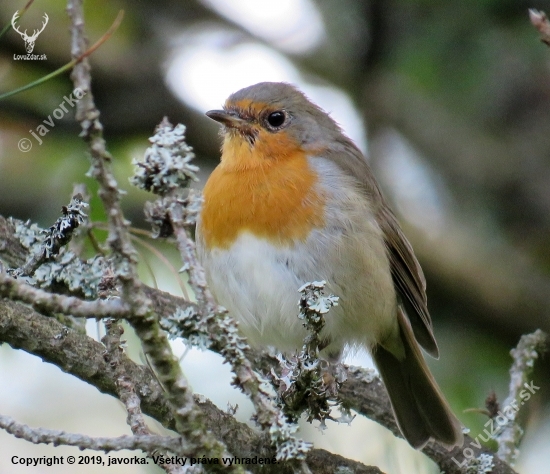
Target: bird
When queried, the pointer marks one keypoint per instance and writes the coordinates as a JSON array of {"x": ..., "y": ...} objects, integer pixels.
[{"x": 293, "y": 200}]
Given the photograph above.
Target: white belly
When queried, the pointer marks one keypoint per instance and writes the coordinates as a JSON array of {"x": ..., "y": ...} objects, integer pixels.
[{"x": 258, "y": 283}]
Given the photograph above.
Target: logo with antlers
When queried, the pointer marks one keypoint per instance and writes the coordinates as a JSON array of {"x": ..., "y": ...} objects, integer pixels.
[{"x": 29, "y": 40}]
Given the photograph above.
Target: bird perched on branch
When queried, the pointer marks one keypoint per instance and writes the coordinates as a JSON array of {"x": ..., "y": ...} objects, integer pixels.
[{"x": 293, "y": 200}]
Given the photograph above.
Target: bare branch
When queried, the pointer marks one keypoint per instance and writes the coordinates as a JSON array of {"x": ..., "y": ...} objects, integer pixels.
[
  {"x": 127, "y": 390},
  {"x": 51, "y": 303},
  {"x": 366, "y": 394},
  {"x": 522, "y": 387},
  {"x": 155, "y": 344},
  {"x": 125, "y": 385},
  {"x": 83, "y": 357},
  {"x": 147, "y": 443}
]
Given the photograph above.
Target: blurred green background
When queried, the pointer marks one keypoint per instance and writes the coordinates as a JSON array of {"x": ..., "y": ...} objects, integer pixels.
[{"x": 451, "y": 101}]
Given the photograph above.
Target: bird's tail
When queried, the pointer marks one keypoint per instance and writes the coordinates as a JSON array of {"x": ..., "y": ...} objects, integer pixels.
[{"x": 419, "y": 406}]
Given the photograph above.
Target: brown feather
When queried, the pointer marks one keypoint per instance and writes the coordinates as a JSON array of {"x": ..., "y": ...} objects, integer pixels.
[
  {"x": 419, "y": 406},
  {"x": 407, "y": 274}
]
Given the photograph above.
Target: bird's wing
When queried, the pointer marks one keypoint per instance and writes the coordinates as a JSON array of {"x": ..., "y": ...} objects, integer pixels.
[
  {"x": 408, "y": 279},
  {"x": 406, "y": 272}
]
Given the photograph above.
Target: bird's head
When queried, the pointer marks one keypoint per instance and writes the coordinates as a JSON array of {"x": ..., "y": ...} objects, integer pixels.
[{"x": 271, "y": 121}]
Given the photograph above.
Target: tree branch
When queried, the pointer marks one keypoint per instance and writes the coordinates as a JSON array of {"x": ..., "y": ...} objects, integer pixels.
[
  {"x": 147, "y": 443},
  {"x": 155, "y": 344},
  {"x": 51, "y": 303},
  {"x": 529, "y": 348},
  {"x": 81, "y": 356},
  {"x": 360, "y": 392}
]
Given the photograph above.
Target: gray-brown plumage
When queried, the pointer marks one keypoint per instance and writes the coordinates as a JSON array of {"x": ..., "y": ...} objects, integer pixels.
[{"x": 293, "y": 200}]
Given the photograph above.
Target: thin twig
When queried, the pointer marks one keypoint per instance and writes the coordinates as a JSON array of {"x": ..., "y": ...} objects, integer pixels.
[
  {"x": 57, "y": 236},
  {"x": 522, "y": 387},
  {"x": 126, "y": 388},
  {"x": 51, "y": 303},
  {"x": 188, "y": 418},
  {"x": 147, "y": 443},
  {"x": 83, "y": 357},
  {"x": 21, "y": 13}
]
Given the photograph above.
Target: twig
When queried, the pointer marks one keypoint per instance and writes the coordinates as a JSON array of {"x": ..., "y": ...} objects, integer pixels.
[
  {"x": 529, "y": 348},
  {"x": 126, "y": 387},
  {"x": 367, "y": 395},
  {"x": 83, "y": 357},
  {"x": 306, "y": 384},
  {"x": 52, "y": 303},
  {"x": 92, "y": 132},
  {"x": 57, "y": 236},
  {"x": 155, "y": 344},
  {"x": 147, "y": 443},
  {"x": 126, "y": 390},
  {"x": 21, "y": 13}
]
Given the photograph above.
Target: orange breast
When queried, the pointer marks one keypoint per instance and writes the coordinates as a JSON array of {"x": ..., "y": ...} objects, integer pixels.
[{"x": 267, "y": 189}]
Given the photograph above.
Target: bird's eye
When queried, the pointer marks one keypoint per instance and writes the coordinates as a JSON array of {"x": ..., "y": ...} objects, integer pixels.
[{"x": 276, "y": 119}]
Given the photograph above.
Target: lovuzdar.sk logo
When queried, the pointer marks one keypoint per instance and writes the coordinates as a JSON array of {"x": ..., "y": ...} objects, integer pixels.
[{"x": 29, "y": 40}]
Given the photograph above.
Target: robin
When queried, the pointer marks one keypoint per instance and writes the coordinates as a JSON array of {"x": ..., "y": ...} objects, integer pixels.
[{"x": 293, "y": 200}]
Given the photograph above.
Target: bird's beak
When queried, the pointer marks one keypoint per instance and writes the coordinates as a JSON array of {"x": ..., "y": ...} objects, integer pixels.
[{"x": 228, "y": 119}]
